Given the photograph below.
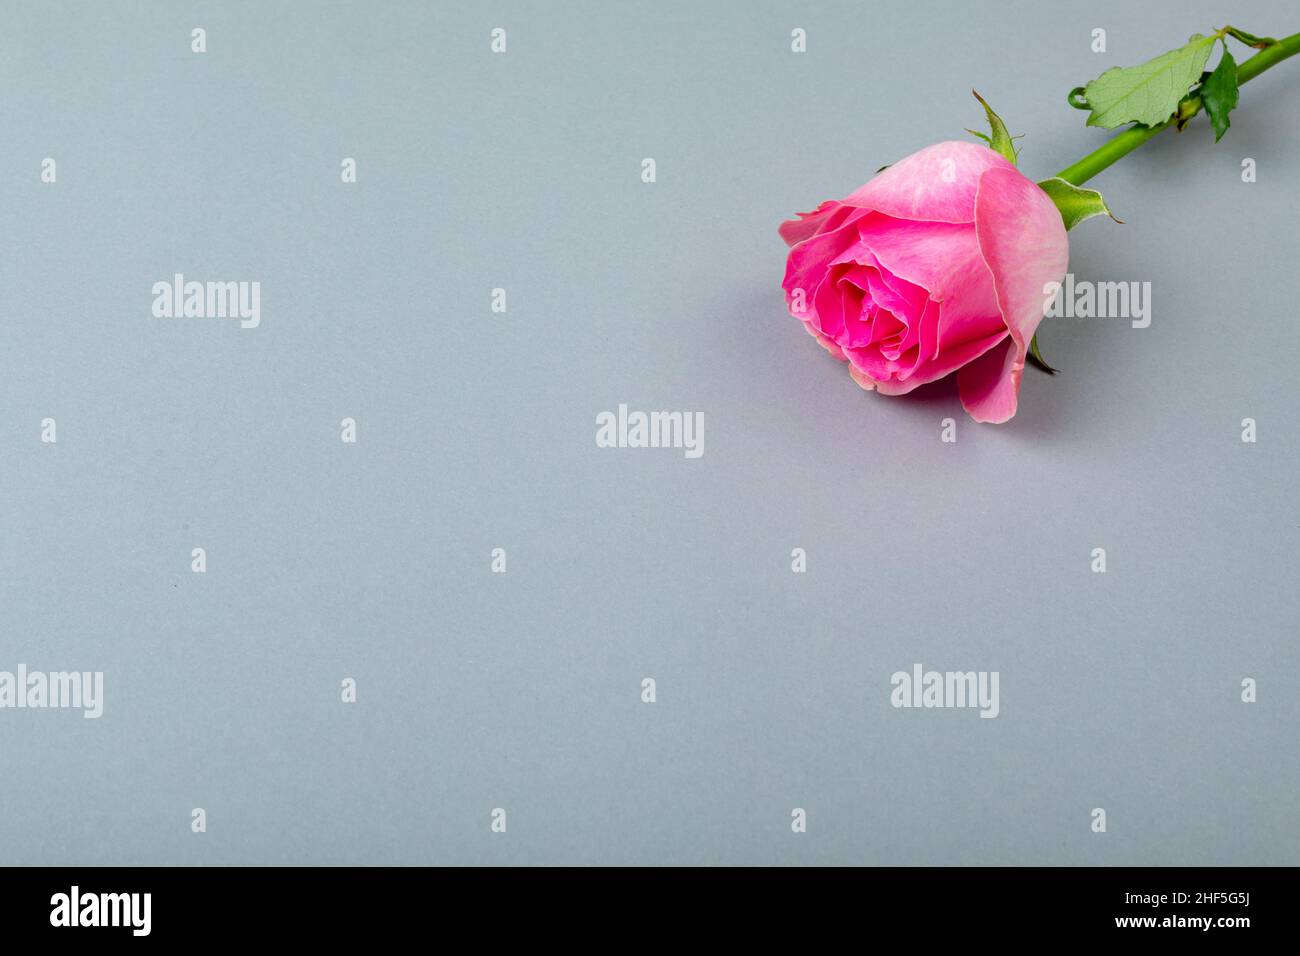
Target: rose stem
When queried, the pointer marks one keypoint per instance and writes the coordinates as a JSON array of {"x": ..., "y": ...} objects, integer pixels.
[{"x": 1135, "y": 136}]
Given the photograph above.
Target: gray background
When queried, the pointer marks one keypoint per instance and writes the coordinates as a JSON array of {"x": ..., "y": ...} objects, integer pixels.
[{"x": 477, "y": 431}]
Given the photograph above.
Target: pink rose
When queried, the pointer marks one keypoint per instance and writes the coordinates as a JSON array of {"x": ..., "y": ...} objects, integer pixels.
[{"x": 935, "y": 266}]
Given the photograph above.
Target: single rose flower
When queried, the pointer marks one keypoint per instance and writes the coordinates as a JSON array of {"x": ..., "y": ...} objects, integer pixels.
[{"x": 937, "y": 265}]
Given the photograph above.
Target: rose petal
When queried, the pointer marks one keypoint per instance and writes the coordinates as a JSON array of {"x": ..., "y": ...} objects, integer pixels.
[
  {"x": 941, "y": 257},
  {"x": 936, "y": 184},
  {"x": 825, "y": 343},
  {"x": 988, "y": 385},
  {"x": 863, "y": 379},
  {"x": 827, "y": 217},
  {"x": 1022, "y": 239},
  {"x": 807, "y": 263}
]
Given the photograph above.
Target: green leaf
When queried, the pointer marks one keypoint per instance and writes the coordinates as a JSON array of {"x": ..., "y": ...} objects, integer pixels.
[
  {"x": 1000, "y": 140},
  {"x": 1148, "y": 93},
  {"x": 1036, "y": 357},
  {"x": 1219, "y": 94},
  {"x": 1074, "y": 202}
]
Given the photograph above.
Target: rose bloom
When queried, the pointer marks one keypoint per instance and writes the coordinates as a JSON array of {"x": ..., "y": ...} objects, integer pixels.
[{"x": 937, "y": 265}]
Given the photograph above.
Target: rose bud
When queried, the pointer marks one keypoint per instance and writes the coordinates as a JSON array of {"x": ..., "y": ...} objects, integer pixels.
[{"x": 937, "y": 265}]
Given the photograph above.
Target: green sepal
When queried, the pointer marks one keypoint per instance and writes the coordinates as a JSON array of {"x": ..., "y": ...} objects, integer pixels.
[
  {"x": 1036, "y": 357},
  {"x": 1074, "y": 202},
  {"x": 999, "y": 139}
]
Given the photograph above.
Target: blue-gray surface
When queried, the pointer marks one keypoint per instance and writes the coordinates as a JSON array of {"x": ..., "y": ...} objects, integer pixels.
[{"x": 523, "y": 691}]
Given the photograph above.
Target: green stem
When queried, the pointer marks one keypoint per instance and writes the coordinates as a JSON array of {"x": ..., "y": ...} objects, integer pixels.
[{"x": 1133, "y": 137}]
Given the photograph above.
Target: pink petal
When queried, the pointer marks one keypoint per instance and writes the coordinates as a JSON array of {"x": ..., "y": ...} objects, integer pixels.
[
  {"x": 953, "y": 357},
  {"x": 807, "y": 263},
  {"x": 941, "y": 257},
  {"x": 937, "y": 183},
  {"x": 825, "y": 343},
  {"x": 863, "y": 379},
  {"x": 989, "y": 384},
  {"x": 1023, "y": 241},
  {"x": 826, "y": 217}
]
